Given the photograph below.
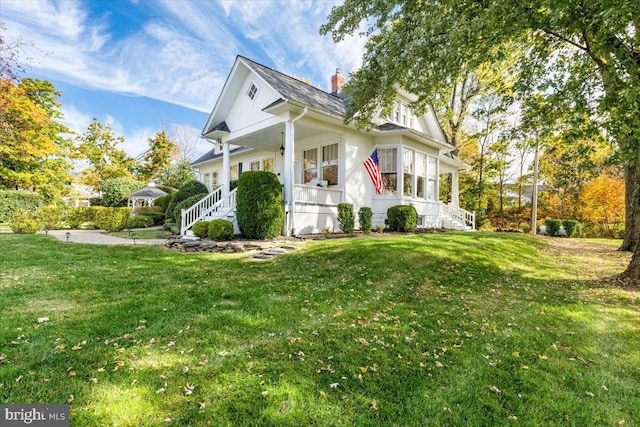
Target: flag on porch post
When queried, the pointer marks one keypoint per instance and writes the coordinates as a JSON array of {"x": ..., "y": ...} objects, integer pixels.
[{"x": 373, "y": 169}]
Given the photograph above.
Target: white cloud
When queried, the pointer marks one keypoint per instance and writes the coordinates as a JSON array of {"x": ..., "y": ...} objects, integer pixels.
[{"x": 183, "y": 52}]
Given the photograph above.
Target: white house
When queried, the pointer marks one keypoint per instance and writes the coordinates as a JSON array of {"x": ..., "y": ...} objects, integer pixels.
[{"x": 266, "y": 120}]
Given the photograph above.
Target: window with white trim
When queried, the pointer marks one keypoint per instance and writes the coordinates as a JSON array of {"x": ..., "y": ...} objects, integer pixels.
[
  {"x": 252, "y": 91},
  {"x": 310, "y": 165},
  {"x": 207, "y": 180},
  {"x": 330, "y": 164},
  {"x": 235, "y": 171},
  {"x": 408, "y": 167},
  {"x": 432, "y": 178},
  {"x": 267, "y": 164},
  {"x": 255, "y": 165},
  {"x": 421, "y": 174},
  {"x": 214, "y": 180},
  {"x": 388, "y": 160}
]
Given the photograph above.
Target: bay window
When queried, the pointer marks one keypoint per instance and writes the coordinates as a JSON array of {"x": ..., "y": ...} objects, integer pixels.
[
  {"x": 421, "y": 174},
  {"x": 388, "y": 160},
  {"x": 408, "y": 169},
  {"x": 432, "y": 178}
]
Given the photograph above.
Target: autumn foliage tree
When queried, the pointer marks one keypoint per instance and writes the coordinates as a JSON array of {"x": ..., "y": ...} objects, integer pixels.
[
  {"x": 602, "y": 201},
  {"x": 159, "y": 156},
  {"x": 35, "y": 145}
]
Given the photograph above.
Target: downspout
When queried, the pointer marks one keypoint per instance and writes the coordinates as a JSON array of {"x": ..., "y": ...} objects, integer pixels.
[{"x": 291, "y": 175}]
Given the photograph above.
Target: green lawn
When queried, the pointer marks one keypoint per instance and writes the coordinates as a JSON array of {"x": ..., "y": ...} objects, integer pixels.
[{"x": 437, "y": 329}]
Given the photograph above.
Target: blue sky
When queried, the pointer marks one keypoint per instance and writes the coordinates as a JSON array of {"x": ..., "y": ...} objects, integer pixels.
[{"x": 145, "y": 65}]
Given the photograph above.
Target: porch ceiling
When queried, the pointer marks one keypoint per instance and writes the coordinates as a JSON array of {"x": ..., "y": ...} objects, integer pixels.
[{"x": 272, "y": 138}]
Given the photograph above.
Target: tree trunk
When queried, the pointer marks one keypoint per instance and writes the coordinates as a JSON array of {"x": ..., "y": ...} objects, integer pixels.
[
  {"x": 633, "y": 269},
  {"x": 632, "y": 208}
]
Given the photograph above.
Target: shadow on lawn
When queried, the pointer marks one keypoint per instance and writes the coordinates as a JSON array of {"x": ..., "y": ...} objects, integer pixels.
[{"x": 365, "y": 332}]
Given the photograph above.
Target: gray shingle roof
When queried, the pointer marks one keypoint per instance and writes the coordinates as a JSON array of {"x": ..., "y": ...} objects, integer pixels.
[
  {"x": 148, "y": 191},
  {"x": 211, "y": 155},
  {"x": 296, "y": 90}
]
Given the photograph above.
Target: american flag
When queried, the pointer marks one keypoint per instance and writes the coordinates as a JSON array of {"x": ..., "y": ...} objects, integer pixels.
[{"x": 373, "y": 169}]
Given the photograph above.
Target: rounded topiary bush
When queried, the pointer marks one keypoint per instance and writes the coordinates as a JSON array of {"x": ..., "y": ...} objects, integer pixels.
[
  {"x": 402, "y": 218},
  {"x": 201, "y": 229},
  {"x": 112, "y": 219},
  {"x": 220, "y": 230},
  {"x": 259, "y": 205},
  {"x": 163, "y": 201},
  {"x": 364, "y": 218}
]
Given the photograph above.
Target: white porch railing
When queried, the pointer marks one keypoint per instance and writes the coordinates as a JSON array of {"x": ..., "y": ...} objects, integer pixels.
[
  {"x": 317, "y": 195},
  {"x": 465, "y": 219},
  {"x": 211, "y": 205}
]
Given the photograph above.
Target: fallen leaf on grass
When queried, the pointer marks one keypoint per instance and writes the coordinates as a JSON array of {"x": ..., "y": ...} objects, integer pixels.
[
  {"x": 161, "y": 390},
  {"x": 43, "y": 319},
  {"x": 588, "y": 393},
  {"x": 494, "y": 389},
  {"x": 334, "y": 385},
  {"x": 70, "y": 398},
  {"x": 188, "y": 389},
  {"x": 374, "y": 405}
]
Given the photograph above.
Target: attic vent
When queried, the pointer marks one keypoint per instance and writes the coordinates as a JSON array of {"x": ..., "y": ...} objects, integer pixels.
[{"x": 253, "y": 90}]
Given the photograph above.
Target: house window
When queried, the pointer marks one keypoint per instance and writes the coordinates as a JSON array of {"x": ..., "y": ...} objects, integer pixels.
[
  {"x": 421, "y": 174},
  {"x": 388, "y": 159},
  {"x": 330, "y": 164},
  {"x": 396, "y": 112},
  {"x": 207, "y": 181},
  {"x": 432, "y": 178},
  {"x": 409, "y": 170},
  {"x": 255, "y": 165},
  {"x": 214, "y": 180},
  {"x": 235, "y": 171},
  {"x": 252, "y": 91},
  {"x": 310, "y": 165},
  {"x": 267, "y": 164}
]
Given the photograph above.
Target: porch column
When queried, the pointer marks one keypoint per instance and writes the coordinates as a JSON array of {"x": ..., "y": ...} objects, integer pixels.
[
  {"x": 289, "y": 175},
  {"x": 226, "y": 166},
  {"x": 455, "y": 192}
]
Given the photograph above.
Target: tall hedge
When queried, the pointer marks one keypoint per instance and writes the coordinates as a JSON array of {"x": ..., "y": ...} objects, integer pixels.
[
  {"x": 111, "y": 219},
  {"x": 346, "y": 219},
  {"x": 11, "y": 201},
  {"x": 402, "y": 218},
  {"x": 259, "y": 205},
  {"x": 364, "y": 217}
]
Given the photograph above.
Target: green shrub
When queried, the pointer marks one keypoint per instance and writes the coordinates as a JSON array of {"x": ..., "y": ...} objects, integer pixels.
[
  {"x": 11, "y": 201},
  {"x": 24, "y": 222},
  {"x": 346, "y": 219},
  {"x": 115, "y": 190},
  {"x": 259, "y": 205},
  {"x": 156, "y": 217},
  {"x": 201, "y": 229},
  {"x": 220, "y": 230},
  {"x": 96, "y": 201},
  {"x": 571, "y": 227},
  {"x": 190, "y": 189},
  {"x": 139, "y": 221},
  {"x": 78, "y": 215},
  {"x": 402, "y": 218},
  {"x": 233, "y": 184},
  {"x": 51, "y": 216},
  {"x": 162, "y": 202},
  {"x": 364, "y": 218},
  {"x": 112, "y": 219},
  {"x": 186, "y": 204},
  {"x": 553, "y": 226}
]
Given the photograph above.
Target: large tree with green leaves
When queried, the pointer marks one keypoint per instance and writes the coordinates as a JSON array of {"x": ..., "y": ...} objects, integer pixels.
[
  {"x": 99, "y": 146},
  {"x": 589, "y": 50}
]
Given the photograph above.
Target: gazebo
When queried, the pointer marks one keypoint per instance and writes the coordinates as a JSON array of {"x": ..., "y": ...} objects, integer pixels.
[{"x": 145, "y": 196}]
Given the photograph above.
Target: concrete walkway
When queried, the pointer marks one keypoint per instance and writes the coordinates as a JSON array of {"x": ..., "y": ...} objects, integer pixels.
[{"x": 98, "y": 237}]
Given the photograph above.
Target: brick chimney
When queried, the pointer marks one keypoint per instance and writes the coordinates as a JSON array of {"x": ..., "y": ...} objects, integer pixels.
[{"x": 337, "y": 82}]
